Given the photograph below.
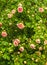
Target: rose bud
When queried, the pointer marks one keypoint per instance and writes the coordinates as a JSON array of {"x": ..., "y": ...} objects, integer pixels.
[
  {"x": 19, "y": 4},
  {"x": 36, "y": 60},
  {"x": 39, "y": 27},
  {"x": 21, "y": 49},
  {"x": 18, "y": 52},
  {"x": 20, "y": 25},
  {"x": 38, "y": 41},
  {"x": 4, "y": 34},
  {"x": 41, "y": 10},
  {"x": 32, "y": 46},
  {"x": 16, "y": 42},
  {"x": 0, "y": 24},
  {"x": 32, "y": 59},
  {"x": 20, "y": 9},
  {"x": 25, "y": 62}
]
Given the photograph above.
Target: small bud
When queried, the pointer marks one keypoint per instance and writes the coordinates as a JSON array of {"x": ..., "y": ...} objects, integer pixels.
[
  {"x": 36, "y": 60},
  {"x": 25, "y": 62},
  {"x": 18, "y": 52},
  {"x": 32, "y": 59}
]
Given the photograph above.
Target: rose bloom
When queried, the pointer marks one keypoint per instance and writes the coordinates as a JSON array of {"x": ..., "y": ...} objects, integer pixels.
[
  {"x": 32, "y": 46},
  {"x": 0, "y": 24},
  {"x": 13, "y": 11},
  {"x": 45, "y": 42},
  {"x": 10, "y": 15},
  {"x": 16, "y": 42},
  {"x": 38, "y": 41},
  {"x": 21, "y": 49},
  {"x": 20, "y": 9},
  {"x": 4, "y": 34},
  {"x": 41, "y": 10},
  {"x": 20, "y": 25}
]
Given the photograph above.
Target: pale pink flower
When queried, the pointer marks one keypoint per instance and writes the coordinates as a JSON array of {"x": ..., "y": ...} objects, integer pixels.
[
  {"x": 41, "y": 10},
  {"x": 37, "y": 41},
  {"x": 20, "y": 25},
  {"x": 4, "y": 34},
  {"x": 32, "y": 46},
  {"x": 21, "y": 49},
  {"x": 13, "y": 11},
  {"x": 20, "y": 9},
  {"x": 10, "y": 15},
  {"x": 16, "y": 42}
]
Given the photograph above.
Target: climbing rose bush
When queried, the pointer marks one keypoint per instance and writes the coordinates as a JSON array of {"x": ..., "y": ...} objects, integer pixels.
[{"x": 23, "y": 32}]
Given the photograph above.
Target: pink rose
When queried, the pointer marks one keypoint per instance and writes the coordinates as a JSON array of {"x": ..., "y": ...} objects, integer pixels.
[
  {"x": 32, "y": 46},
  {"x": 4, "y": 34},
  {"x": 16, "y": 42},
  {"x": 20, "y": 25},
  {"x": 20, "y": 9},
  {"x": 21, "y": 49},
  {"x": 41, "y": 10}
]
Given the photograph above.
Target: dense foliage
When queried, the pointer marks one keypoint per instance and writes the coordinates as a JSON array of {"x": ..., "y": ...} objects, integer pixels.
[{"x": 24, "y": 44}]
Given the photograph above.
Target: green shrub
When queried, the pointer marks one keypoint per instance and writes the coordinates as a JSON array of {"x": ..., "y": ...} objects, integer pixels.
[{"x": 23, "y": 32}]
